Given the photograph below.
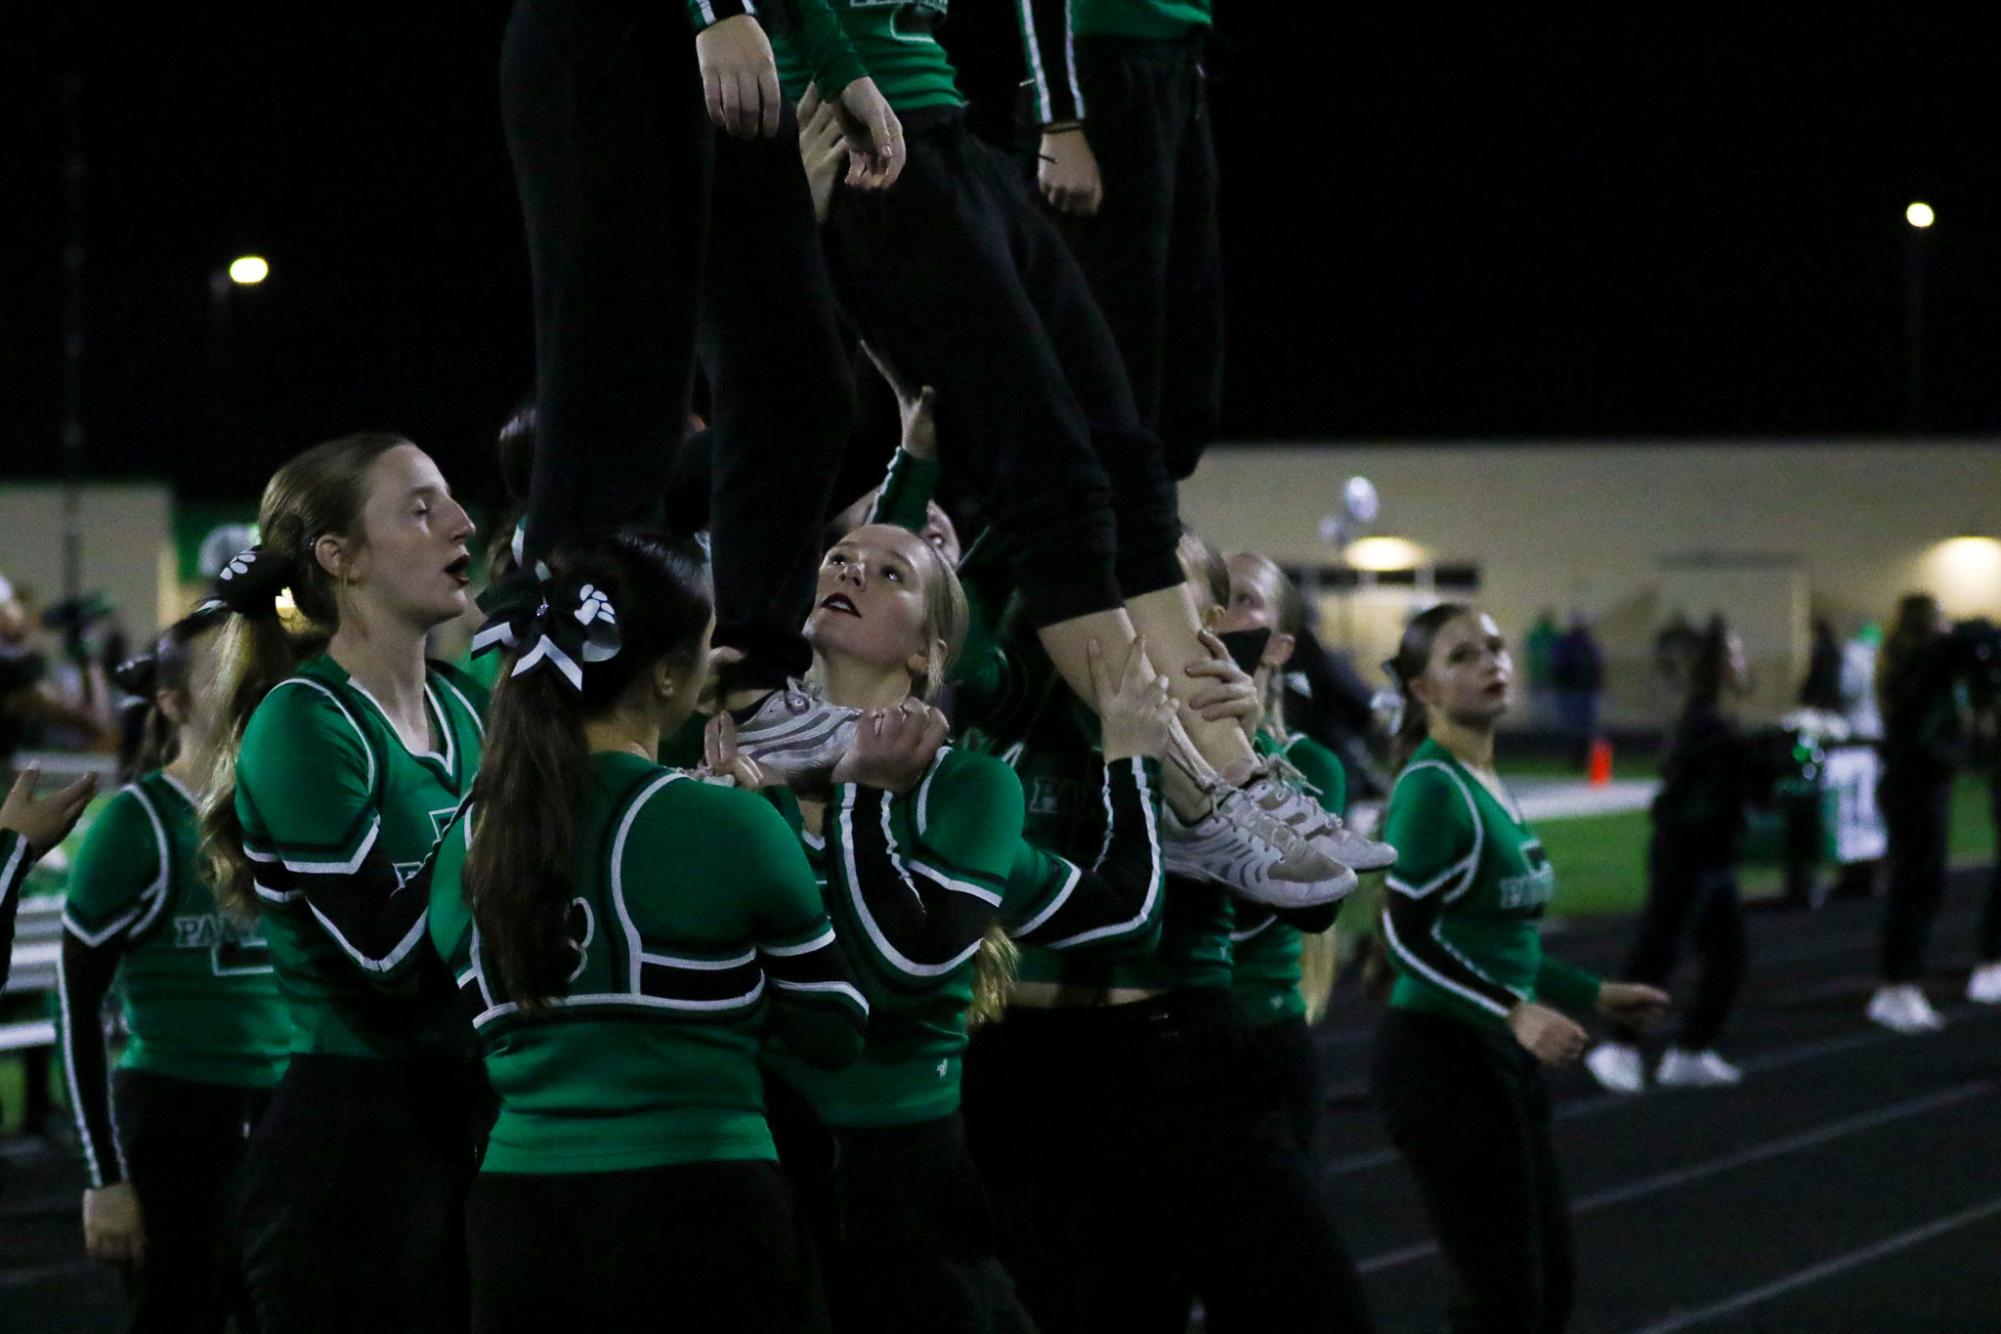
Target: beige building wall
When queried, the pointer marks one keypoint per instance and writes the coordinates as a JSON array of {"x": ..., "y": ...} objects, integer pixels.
[
  {"x": 1633, "y": 532},
  {"x": 127, "y": 545}
]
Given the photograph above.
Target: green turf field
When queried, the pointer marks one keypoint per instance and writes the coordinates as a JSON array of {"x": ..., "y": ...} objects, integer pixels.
[{"x": 1600, "y": 860}]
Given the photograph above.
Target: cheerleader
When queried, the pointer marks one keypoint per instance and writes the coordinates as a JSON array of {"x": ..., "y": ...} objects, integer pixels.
[
  {"x": 339, "y": 756},
  {"x": 207, "y": 1032}
]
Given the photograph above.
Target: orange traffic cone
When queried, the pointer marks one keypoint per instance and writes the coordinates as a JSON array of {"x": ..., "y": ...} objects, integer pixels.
[{"x": 1601, "y": 762}]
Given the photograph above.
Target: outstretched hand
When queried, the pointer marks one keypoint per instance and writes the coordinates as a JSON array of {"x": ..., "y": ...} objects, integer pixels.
[
  {"x": 47, "y": 822},
  {"x": 915, "y": 403},
  {"x": 1632, "y": 1003},
  {"x": 1135, "y": 708}
]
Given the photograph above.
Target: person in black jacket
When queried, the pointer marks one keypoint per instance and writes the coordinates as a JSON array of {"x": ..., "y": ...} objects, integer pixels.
[
  {"x": 1691, "y": 883},
  {"x": 1923, "y": 736}
]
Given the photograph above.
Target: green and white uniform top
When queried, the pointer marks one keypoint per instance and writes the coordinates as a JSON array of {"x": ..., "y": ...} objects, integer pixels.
[
  {"x": 896, "y": 43},
  {"x": 15, "y": 862},
  {"x": 339, "y": 817},
  {"x": 1470, "y": 881},
  {"x": 808, "y": 29},
  {"x": 698, "y": 933},
  {"x": 196, "y": 987},
  {"x": 916, "y": 882},
  {"x": 1265, "y": 945},
  {"x": 1058, "y": 764},
  {"x": 1049, "y": 29}
]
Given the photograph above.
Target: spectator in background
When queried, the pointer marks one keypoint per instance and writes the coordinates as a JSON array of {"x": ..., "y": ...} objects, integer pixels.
[
  {"x": 1822, "y": 688},
  {"x": 1327, "y": 700},
  {"x": 1691, "y": 883},
  {"x": 1923, "y": 737},
  {"x": 1675, "y": 647},
  {"x": 1539, "y": 660},
  {"x": 1577, "y": 671},
  {"x": 1858, "y": 683},
  {"x": 35, "y": 710},
  {"x": 1856, "y": 694}
]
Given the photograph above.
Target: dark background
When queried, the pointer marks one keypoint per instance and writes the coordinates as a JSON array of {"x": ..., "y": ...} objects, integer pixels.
[{"x": 1439, "y": 223}]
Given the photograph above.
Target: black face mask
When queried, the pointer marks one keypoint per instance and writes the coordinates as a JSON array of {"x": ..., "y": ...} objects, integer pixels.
[{"x": 1247, "y": 648}]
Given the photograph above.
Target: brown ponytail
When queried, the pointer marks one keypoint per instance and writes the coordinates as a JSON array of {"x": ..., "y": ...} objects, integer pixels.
[
  {"x": 535, "y": 767},
  {"x": 320, "y": 492}
]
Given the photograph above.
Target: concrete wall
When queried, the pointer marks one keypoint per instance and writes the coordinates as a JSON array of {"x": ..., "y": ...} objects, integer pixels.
[
  {"x": 1620, "y": 530},
  {"x": 127, "y": 546}
]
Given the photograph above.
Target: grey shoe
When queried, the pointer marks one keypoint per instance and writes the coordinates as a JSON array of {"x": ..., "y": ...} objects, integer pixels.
[
  {"x": 794, "y": 734},
  {"x": 1255, "y": 857},
  {"x": 1324, "y": 831}
]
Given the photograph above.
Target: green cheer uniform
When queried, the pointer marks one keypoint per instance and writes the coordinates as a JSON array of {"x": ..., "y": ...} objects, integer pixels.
[
  {"x": 196, "y": 988},
  {"x": 338, "y": 817},
  {"x": 1470, "y": 881},
  {"x": 698, "y": 932},
  {"x": 808, "y": 29},
  {"x": 1049, "y": 29},
  {"x": 15, "y": 863},
  {"x": 895, "y": 42},
  {"x": 915, "y": 882},
  {"x": 1264, "y": 945}
]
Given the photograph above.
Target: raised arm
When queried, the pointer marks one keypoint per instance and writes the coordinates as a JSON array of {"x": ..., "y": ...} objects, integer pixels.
[{"x": 918, "y": 877}]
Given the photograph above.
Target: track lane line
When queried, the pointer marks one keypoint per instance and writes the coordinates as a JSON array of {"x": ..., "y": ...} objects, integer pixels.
[
  {"x": 1826, "y": 1269},
  {"x": 1745, "y": 1157}
]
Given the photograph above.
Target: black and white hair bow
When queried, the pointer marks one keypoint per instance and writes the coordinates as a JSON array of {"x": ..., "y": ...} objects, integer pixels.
[
  {"x": 250, "y": 584},
  {"x": 548, "y": 622}
]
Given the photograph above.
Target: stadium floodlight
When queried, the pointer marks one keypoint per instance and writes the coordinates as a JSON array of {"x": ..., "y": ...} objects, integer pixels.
[
  {"x": 1920, "y": 214},
  {"x": 248, "y": 270}
]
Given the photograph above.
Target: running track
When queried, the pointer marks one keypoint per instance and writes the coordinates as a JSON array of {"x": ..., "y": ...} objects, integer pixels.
[{"x": 1852, "y": 1184}]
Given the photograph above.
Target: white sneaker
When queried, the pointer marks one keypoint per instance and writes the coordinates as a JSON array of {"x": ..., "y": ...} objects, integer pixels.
[
  {"x": 1695, "y": 1070},
  {"x": 1253, "y": 856},
  {"x": 795, "y": 734},
  {"x": 1617, "y": 1066},
  {"x": 1904, "y": 1009},
  {"x": 1984, "y": 987},
  {"x": 1325, "y": 832}
]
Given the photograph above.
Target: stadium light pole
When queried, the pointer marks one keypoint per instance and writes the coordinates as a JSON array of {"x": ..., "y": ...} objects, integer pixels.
[
  {"x": 243, "y": 271},
  {"x": 1918, "y": 219}
]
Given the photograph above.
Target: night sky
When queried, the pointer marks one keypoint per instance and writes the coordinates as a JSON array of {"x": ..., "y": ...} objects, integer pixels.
[{"x": 1438, "y": 223}]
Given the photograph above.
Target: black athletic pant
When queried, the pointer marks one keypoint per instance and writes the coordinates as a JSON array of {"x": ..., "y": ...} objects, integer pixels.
[
  {"x": 1688, "y": 898},
  {"x": 1293, "y": 1066},
  {"x": 1467, "y": 1109},
  {"x": 184, "y": 1144},
  {"x": 602, "y": 104},
  {"x": 700, "y": 1248},
  {"x": 1153, "y": 252},
  {"x": 903, "y": 1235},
  {"x": 1917, "y": 812},
  {"x": 1137, "y": 1151},
  {"x": 781, "y": 401},
  {"x": 354, "y": 1195},
  {"x": 965, "y": 285}
]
